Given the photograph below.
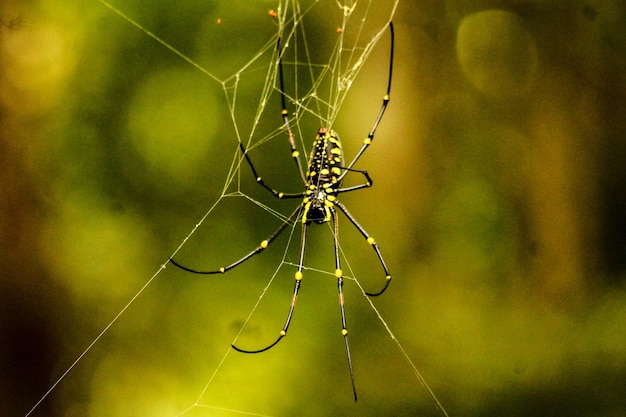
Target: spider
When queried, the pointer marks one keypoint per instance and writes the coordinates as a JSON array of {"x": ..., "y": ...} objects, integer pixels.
[{"x": 319, "y": 200}]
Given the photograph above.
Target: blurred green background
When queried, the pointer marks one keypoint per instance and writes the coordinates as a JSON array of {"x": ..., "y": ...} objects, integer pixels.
[{"x": 498, "y": 203}]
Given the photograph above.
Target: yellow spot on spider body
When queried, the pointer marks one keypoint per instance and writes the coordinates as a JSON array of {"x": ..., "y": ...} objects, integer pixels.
[
  {"x": 331, "y": 198},
  {"x": 344, "y": 331},
  {"x": 324, "y": 171},
  {"x": 298, "y": 276},
  {"x": 338, "y": 273},
  {"x": 336, "y": 170},
  {"x": 264, "y": 244},
  {"x": 335, "y": 151},
  {"x": 305, "y": 213},
  {"x": 371, "y": 240}
]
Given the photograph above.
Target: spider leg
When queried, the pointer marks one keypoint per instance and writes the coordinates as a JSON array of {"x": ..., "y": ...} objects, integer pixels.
[
  {"x": 370, "y": 137},
  {"x": 263, "y": 245},
  {"x": 372, "y": 242},
  {"x": 296, "y": 289},
  {"x": 261, "y": 182},
  {"x": 294, "y": 151},
  {"x": 339, "y": 275},
  {"x": 368, "y": 182},
  {"x": 285, "y": 114}
]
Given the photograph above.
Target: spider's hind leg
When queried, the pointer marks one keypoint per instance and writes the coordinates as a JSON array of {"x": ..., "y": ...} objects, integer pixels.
[
  {"x": 339, "y": 276},
  {"x": 294, "y": 297},
  {"x": 374, "y": 246}
]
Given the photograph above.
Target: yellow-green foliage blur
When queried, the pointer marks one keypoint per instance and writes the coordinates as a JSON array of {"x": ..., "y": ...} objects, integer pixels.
[{"x": 498, "y": 203}]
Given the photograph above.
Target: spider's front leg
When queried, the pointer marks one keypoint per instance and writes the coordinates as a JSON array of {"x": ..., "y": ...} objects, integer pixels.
[
  {"x": 294, "y": 152},
  {"x": 386, "y": 98},
  {"x": 261, "y": 182}
]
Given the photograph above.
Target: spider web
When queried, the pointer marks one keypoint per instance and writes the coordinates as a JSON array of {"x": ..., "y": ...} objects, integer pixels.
[{"x": 324, "y": 44}]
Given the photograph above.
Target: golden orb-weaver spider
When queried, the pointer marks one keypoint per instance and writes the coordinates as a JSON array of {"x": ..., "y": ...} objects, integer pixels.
[{"x": 322, "y": 181}]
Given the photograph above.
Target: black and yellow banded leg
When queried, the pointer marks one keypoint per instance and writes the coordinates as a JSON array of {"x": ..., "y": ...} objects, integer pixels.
[
  {"x": 339, "y": 276},
  {"x": 262, "y": 246},
  {"x": 370, "y": 240},
  {"x": 370, "y": 137},
  {"x": 294, "y": 297},
  {"x": 259, "y": 180}
]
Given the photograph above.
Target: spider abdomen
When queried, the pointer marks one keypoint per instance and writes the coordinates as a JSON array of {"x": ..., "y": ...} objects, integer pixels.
[{"x": 323, "y": 177}]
